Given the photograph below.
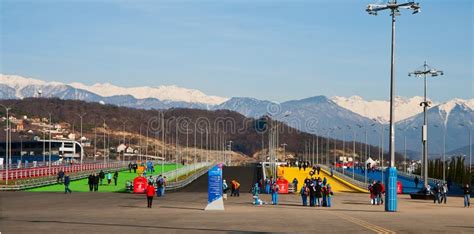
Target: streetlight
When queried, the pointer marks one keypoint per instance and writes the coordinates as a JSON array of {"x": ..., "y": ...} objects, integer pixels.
[
  {"x": 444, "y": 150},
  {"x": 427, "y": 71},
  {"x": 7, "y": 142},
  {"x": 373, "y": 9},
  {"x": 230, "y": 149},
  {"x": 405, "y": 152},
  {"x": 353, "y": 150},
  {"x": 284, "y": 149},
  {"x": 470, "y": 145},
  {"x": 366, "y": 155}
]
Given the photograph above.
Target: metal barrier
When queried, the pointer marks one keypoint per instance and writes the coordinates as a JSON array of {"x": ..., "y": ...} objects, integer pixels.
[
  {"x": 23, "y": 173},
  {"x": 183, "y": 183},
  {"x": 361, "y": 178},
  {"x": 355, "y": 182},
  {"x": 50, "y": 180}
]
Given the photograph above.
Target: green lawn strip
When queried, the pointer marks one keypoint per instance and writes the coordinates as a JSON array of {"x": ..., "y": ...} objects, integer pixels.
[{"x": 82, "y": 186}]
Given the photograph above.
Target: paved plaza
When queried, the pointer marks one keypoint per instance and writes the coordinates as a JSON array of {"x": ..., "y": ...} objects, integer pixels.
[{"x": 182, "y": 212}]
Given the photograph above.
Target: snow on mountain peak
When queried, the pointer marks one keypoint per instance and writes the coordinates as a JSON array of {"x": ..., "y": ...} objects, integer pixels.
[
  {"x": 163, "y": 93},
  {"x": 19, "y": 81},
  {"x": 379, "y": 109}
]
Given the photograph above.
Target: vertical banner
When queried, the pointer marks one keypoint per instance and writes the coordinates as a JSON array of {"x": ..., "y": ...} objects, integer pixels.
[{"x": 214, "y": 189}]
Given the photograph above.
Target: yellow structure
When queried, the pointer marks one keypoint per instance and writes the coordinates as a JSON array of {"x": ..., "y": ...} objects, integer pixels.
[{"x": 337, "y": 184}]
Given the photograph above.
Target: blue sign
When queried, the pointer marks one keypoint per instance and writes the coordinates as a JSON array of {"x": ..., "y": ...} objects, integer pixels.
[{"x": 214, "y": 183}]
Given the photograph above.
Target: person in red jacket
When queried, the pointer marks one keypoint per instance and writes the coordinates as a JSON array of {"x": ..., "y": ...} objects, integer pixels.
[{"x": 150, "y": 192}]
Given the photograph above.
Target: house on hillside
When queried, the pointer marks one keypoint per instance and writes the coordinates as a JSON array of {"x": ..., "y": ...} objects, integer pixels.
[{"x": 125, "y": 148}]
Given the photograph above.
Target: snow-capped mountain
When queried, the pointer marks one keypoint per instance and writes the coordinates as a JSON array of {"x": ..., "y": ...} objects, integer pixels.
[
  {"x": 452, "y": 117},
  {"x": 164, "y": 93},
  {"x": 28, "y": 87},
  {"x": 380, "y": 109},
  {"x": 315, "y": 114}
]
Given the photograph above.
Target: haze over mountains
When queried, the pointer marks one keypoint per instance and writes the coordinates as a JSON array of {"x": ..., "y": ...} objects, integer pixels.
[{"x": 340, "y": 117}]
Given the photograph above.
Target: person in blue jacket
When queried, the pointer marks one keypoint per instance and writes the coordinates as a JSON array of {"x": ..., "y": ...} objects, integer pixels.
[
  {"x": 267, "y": 185},
  {"x": 67, "y": 182},
  {"x": 304, "y": 194},
  {"x": 275, "y": 188},
  {"x": 329, "y": 195}
]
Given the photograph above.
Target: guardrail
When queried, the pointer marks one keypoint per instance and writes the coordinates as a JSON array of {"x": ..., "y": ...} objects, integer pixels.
[
  {"x": 412, "y": 176},
  {"x": 361, "y": 185},
  {"x": 183, "y": 183},
  {"x": 361, "y": 178},
  {"x": 50, "y": 180},
  {"x": 18, "y": 174}
]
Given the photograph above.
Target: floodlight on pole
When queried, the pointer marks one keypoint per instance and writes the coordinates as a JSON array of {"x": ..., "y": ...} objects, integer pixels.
[
  {"x": 394, "y": 7},
  {"x": 425, "y": 72}
]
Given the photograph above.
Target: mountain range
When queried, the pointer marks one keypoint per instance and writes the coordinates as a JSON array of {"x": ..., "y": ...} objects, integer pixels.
[{"x": 337, "y": 117}]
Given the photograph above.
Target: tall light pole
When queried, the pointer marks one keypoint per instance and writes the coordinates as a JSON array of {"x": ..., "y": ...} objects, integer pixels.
[
  {"x": 230, "y": 149},
  {"x": 405, "y": 151},
  {"x": 391, "y": 194},
  {"x": 7, "y": 142},
  {"x": 427, "y": 71},
  {"x": 444, "y": 149},
  {"x": 105, "y": 133},
  {"x": 50, "y": 129},
  {"x": 284, "y": 149},
  {"x": 353, "y": 150},
  {"x": 468, "y": 127},
  {"x": 123, "y": 135}
]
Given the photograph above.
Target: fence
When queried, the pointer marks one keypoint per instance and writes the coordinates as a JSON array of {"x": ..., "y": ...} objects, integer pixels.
[
  {"x": 203, "y": 169},
  {"x": 32, "y": 182},
  {"x": 18, "y": 174},
  {"x": 355, "y": 182}
]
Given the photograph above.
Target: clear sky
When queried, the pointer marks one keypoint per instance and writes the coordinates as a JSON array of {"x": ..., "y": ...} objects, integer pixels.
[{"x": 272, "y": 49}]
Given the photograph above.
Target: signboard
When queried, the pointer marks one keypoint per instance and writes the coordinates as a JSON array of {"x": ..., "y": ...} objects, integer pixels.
[{"x": 214, "y": 189}]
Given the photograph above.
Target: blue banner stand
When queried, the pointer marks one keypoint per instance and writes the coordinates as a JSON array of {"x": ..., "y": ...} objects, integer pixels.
[
  {"x": 391, "y": 191},
  {"x": 214, "y": 189}
]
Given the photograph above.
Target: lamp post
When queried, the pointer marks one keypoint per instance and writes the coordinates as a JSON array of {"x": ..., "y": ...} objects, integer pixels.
[
  {"x": 49, "y": 152},
  {"x": 353, "y": 150},
  {"x": 405, "y": 151},
  {"x": 284, "y": 149},
  {"x": 427, "y": 71},
  {"x": 230, "y": 149},
  {"x": 373, "y": 9},
  {"x": 444, "y": 150},
  {"x": 468, "y": 127},
  {"x": 123, "y": 135},
  {"x": 365, "y": 165},
  {"x": 105, "y": 133},
  {"x": 7, "y": 142}
]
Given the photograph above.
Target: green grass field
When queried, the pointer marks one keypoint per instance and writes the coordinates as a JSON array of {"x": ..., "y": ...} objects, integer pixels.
[{"x": 82, "y": 186}]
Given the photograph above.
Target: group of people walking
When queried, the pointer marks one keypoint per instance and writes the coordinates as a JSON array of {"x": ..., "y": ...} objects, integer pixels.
[
  {"x": 318, "y": 191},
  {"x": 95, "y": 179},
  {"x": 440, "y": 193}
]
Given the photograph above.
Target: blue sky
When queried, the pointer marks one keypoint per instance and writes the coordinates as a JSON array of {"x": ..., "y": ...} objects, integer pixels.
[{"x": 276, "y": 50}]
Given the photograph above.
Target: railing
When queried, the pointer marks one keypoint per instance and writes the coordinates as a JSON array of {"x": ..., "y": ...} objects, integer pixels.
[
  {"x": 19, "y": 174},
  {"x": 354, "y": 182},
  {"x": 412, "y": 176},
  {"x": 361, "y": 178},
  {"x": 183, "y": 183},
  {"x": 354, "y": 175},
  {"x": 175, "y": 174},
  {"x": 28, "y": 183}
]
